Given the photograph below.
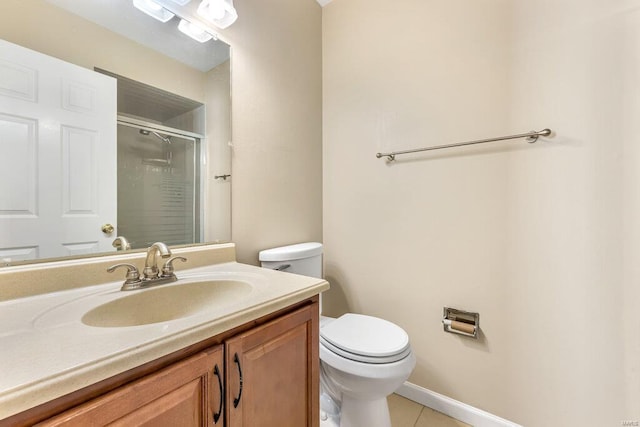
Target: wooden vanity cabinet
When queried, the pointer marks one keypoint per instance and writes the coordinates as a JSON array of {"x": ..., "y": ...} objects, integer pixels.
[{"x": 266, "y": 375}]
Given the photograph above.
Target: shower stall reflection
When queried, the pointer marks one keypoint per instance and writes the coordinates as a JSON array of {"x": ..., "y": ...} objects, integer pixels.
[{"x": 158, "y": 186}]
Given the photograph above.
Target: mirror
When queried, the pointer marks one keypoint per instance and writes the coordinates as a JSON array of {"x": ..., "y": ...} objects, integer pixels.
[{"x": 113, "y": 37}]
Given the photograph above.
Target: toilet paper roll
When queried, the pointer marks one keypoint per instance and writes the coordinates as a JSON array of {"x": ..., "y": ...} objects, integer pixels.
[{"x": 460, "y": 326}]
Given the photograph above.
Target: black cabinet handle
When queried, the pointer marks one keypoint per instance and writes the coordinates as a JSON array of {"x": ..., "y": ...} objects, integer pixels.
[
  {"x": 236, "y": 400},
  {"x": 216, "y": 415}
]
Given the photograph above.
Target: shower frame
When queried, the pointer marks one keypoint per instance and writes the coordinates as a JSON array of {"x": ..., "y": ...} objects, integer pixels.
[{"x": 199, "y": 164}]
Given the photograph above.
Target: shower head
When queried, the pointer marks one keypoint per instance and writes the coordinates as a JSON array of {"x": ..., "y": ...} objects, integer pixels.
[{"x": 166, "y": 139}]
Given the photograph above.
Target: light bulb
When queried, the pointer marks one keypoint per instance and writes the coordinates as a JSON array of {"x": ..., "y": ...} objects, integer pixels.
[
  {"x": 211, "y": 10},
  {"x": 153, "y": 9},
  {"x": 194, "y": 31},
  {"x": 216, "y": 9},
  {"x": 220, "y": 13},
  {"x": 153, "y": 5}
]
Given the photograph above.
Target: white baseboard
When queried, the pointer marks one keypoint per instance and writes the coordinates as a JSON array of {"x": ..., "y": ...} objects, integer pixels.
[{"x": 452, "y": 408}]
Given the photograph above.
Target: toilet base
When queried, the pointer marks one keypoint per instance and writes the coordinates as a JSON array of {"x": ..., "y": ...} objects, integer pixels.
[
  {"x": 370, "y": 413},
  {"x": 328, "y": 422}
]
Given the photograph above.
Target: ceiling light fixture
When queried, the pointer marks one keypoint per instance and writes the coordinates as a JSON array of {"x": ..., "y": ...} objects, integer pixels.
[
  {"x": 220, "y": 13},
  {"x": 153, "y": 9},
  {"x": 195, "y": 31}
]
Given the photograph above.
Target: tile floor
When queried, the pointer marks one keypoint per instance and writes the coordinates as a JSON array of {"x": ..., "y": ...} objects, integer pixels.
[{"x": 407, "y": 413}]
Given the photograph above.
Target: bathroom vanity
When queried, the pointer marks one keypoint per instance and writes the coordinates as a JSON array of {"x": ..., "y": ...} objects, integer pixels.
[{"x": 247, "y": 356}]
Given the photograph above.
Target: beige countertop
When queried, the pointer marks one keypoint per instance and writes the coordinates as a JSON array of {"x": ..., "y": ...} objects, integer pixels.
[{"x": 46, "y": 351}]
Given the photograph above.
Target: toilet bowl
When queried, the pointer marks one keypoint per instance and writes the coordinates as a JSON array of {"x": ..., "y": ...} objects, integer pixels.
[{"x": 363, "y": 359}]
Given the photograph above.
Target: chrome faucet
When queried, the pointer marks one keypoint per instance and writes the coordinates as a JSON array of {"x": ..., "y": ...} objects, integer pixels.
[
  {"x": 121, "y": 244},
  {"x": 151, "y": 264},
  {"x": 151, "y": 276}
]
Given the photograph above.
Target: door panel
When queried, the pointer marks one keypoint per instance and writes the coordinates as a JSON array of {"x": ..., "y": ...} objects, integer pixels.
[
  {"x": 272, "y": 373},
  {"x": 18, "y": 81},
  {"x": 174, "y": 396},
  {"x": 18, "y": 165}
]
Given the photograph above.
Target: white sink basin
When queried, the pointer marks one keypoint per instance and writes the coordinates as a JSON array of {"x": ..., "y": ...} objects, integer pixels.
[
  {"x": 193, "y": 296},
  {"x": 166, "y": 302}
]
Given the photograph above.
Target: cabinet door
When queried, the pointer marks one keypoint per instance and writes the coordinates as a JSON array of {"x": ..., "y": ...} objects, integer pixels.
[
  {"x": 272, "y": 373},
  {"x": 184, "y": 394}
]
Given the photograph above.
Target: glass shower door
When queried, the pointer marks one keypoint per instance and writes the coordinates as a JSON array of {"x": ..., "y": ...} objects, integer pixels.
[{"x": 157, "y": 187}]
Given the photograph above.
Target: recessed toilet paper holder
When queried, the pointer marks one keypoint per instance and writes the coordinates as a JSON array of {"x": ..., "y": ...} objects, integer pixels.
[{"x": 461, "y": 322}]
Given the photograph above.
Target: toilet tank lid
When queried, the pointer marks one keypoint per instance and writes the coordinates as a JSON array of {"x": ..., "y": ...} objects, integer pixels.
[{"x": 291, "y": 252}]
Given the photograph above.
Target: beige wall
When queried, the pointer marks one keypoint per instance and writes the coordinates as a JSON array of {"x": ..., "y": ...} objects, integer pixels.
[
  {"x": 541, "y": 239},
  {"x": 573, "y": 213},
  {"x": 40, "y": 26},
  {"x": 276, "y": 124}
]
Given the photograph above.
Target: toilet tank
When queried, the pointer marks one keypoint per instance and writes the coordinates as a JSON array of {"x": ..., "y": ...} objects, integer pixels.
[{"x": 303, "y": 258}]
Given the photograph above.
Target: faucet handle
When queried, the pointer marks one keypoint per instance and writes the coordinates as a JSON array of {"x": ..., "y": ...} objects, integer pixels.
[
  {"x": 133, "y": 275},
  {"x": 167, "y": 269}
]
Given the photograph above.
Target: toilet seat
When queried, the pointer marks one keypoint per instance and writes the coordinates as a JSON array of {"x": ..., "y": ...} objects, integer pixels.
[{"x": 365, "y": 339}]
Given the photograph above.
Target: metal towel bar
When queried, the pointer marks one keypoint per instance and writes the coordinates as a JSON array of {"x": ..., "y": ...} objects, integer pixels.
[{"x": 531, "y": 138}]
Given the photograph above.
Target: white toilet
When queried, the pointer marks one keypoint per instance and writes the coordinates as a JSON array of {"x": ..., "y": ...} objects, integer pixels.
[{"x": 363, "y": 359}]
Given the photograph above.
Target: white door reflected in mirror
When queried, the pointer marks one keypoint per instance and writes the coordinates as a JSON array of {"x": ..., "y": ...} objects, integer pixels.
[{"x": 57, "y": 125}]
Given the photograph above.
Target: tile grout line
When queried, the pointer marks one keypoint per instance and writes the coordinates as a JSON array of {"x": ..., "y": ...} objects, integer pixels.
[{"x": 415, "y": 423}]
